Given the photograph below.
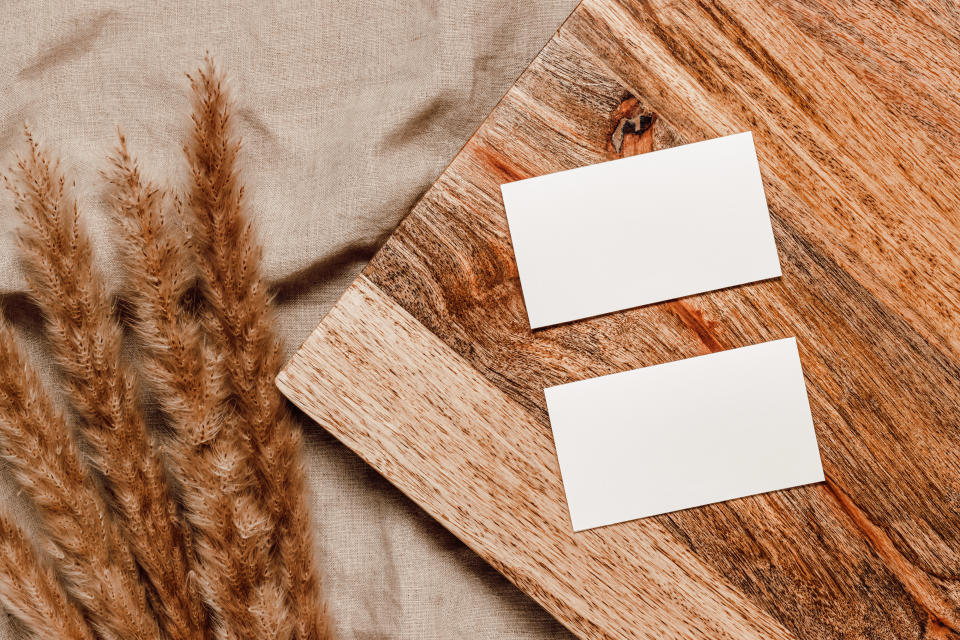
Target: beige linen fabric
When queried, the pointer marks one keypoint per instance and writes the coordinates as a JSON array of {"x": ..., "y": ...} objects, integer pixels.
[{"x": 348, "y": 111}]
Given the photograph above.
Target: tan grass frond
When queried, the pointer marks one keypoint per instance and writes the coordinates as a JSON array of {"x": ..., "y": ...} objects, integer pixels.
[
  {"x": 30, "y": 590},
  {"x": 209, "y": 458},
  {"x": 240, "y": 324},
  {"x": 87, "y": 344},
  {"x": 98, "y": 567}
]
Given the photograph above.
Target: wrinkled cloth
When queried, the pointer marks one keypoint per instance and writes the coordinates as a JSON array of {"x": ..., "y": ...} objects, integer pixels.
[{"x": 348, "y": 111}]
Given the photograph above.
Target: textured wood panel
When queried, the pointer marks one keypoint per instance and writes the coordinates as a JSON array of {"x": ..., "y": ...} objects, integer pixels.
[{"x": 427, "y": 367}]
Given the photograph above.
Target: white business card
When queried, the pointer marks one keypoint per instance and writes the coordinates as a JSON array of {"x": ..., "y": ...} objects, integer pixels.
[
  {"x": 639, "y": 230},
  {"x": 684, "y": 434}
]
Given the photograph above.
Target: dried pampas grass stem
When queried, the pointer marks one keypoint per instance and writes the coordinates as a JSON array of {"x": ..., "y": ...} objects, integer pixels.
[
  {"x": 209, "y": 456},
  {"x": 98, "y": 567},
  {"x": 30, "y": 589},
  {"x": 87, "y": 344},
  {"x": 219, "y": 549},
  {"x": 240, "y": 324}
]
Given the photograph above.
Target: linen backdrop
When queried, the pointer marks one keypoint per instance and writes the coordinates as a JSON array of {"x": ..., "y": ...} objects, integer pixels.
[{"x": 348, "y": 111}]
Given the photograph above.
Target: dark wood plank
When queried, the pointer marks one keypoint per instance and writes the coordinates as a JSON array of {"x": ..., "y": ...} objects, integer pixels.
[{"x": 855, "y": 115}]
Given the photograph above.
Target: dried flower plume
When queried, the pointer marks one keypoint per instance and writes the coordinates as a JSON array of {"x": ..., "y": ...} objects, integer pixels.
[
  {"x": 87, "y": 343},
  {"x": 96, "y": 563},
  {"x": 240, "y": 324},
  {"x": 30, "y": 589},
  {"x": 223, "y": 549},
  {"x": 209, "y": 456}
]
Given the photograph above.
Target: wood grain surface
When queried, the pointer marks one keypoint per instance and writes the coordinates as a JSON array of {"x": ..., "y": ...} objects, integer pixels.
[{"x": 427, "y": 367}]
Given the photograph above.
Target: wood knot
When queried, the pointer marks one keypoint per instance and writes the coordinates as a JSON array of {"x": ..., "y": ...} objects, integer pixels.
[{"x": 633, "y": 126}]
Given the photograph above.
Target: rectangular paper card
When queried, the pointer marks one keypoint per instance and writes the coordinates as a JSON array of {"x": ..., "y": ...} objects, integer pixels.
[
  {"x": 684, "y": 434},
  {"x": 642, "y": 229}
]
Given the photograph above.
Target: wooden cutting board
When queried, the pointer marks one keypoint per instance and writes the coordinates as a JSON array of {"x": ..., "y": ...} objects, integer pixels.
[{"x": 427, "y": 368}]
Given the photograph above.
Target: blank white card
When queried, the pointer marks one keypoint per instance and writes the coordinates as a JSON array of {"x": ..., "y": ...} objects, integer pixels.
[
  {"x": 639, "y": 230},
  {"x": 684, "y": 434}
]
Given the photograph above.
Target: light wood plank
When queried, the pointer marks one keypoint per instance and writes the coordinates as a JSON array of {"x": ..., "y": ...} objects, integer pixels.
[{"x": 468, "y": 454}]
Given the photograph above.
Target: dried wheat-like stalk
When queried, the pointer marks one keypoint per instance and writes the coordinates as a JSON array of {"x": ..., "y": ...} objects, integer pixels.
[
  {"x": 98, "y": 567},
  {"x": 230, "y": 530},
  {"x": 240, "y": 326},
  {"x": 87, "y": 343},
  {"x": 30, "y": 590}
]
